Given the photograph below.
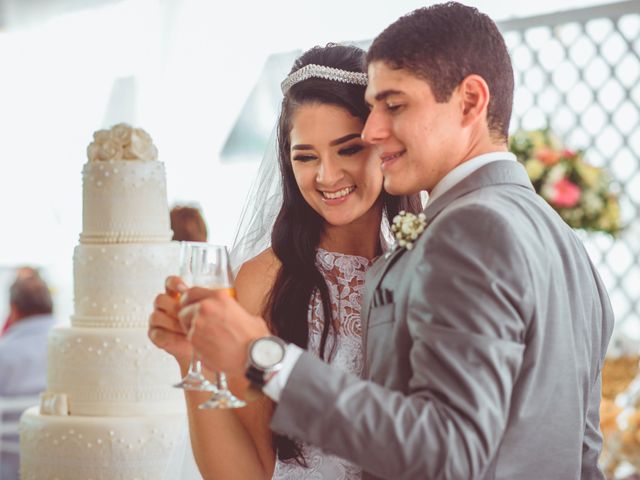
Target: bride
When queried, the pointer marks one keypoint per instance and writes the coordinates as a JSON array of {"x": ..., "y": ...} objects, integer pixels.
[{"x": 308, "y": 283}]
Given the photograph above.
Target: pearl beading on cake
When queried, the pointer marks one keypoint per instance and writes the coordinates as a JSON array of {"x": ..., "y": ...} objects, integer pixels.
[
  {"x": 133, "y": 174},
  {"x": 123, "y": 237},
  {"x": 111, "y": 321}
]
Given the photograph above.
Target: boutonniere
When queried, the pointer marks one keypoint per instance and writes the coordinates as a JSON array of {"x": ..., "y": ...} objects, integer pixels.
[{"x": 407, "y": 227}]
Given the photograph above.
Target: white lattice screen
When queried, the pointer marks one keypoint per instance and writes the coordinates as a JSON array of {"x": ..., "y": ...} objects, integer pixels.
[{"x": 578, "y": 72}]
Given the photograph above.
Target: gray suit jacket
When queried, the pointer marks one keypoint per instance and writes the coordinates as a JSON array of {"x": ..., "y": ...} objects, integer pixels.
[{"x": 484, "y": 346}]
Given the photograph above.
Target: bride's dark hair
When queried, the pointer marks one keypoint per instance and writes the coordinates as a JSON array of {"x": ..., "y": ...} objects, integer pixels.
[{"x": 297, "y": 229}]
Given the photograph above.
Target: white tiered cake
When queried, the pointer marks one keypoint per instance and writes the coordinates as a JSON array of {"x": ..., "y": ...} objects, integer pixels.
[{"x": 109, "y": 411}]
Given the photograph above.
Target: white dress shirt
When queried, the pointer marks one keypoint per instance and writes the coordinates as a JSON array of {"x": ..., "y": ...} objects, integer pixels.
[
  {"x": 274, "y": 387},
  {"x": 465, "y": 169}
]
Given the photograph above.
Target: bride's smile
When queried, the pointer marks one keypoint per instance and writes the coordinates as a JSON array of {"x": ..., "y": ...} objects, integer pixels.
[{"x": 338, "y": 195}]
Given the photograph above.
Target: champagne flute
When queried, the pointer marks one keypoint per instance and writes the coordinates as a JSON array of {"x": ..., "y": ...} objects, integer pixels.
[
  {"x": 211, "y": 269},
  {"x": 190, "y": 270}
]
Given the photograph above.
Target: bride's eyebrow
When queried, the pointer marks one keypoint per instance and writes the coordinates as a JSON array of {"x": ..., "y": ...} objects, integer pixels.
[
  {"x": 346, "y": 138},
  {"x": 302, "y": 147},
  {"x": 332, "y": 143}
]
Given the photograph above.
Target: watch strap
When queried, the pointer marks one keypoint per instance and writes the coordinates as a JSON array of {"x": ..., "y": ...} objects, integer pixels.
[
  {"x": 255, "y": 376},
  {"x": 257, "y": 379}
]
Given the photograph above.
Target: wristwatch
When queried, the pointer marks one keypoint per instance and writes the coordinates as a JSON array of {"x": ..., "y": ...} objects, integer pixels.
[{"x": 265, "y": 359}]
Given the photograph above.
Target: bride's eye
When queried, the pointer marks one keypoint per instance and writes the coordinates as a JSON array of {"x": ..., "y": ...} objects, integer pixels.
[
  {"x": 304, "y": 158},
  {"x": 352, "y": 150}
]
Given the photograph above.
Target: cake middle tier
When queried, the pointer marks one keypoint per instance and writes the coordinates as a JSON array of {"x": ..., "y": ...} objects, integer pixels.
[
  {"x": 115, "y": 285},
  {"x": 112, "y": 372}
]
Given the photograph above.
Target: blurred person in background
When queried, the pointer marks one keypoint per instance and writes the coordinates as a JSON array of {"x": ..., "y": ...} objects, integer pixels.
[
  {"x": 21, "y": 273},
  {"x": 187, "y": 224},
  {"x": 23, "y": 352}
]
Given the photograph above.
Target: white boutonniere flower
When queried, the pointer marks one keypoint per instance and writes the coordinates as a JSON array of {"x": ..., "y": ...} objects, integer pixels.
[{"x": 407, "y": 227}]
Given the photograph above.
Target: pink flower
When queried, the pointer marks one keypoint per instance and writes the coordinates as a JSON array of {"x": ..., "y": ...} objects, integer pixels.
[{"x": 566, "y": 194}]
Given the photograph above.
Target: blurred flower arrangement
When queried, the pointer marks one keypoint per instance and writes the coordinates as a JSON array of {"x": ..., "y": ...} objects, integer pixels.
[
  {"x": 620, "y": 407},
  {"x": 578, "y": 191}
]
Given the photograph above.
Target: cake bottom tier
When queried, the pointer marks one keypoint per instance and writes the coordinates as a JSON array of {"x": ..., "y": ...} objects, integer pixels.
[{"x": 101, "y": 448}]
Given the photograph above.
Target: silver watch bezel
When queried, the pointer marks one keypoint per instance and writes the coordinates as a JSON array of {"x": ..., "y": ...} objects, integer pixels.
[{"x": 272, "y": 368}]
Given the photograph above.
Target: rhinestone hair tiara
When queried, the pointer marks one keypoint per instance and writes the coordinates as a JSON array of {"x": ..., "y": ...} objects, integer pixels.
[{"x": 320, "y": 71}]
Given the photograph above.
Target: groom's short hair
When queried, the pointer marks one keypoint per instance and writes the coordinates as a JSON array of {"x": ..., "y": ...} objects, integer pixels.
[{"x": 445, "y": 43}]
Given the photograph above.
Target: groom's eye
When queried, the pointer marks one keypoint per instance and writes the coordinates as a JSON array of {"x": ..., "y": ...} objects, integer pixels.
[{"x": 393, "y": 107}]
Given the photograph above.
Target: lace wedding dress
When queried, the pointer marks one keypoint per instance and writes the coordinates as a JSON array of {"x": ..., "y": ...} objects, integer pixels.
[{"x": 344, "y": 275}]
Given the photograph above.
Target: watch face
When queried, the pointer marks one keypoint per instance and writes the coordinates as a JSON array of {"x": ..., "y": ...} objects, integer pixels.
[{"x": 266, "y": 353}]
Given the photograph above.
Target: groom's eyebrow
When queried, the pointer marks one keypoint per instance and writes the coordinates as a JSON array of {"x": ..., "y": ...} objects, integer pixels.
[
  {"x": 346, "y": 138},
  {"x": 386, "y": 94}
]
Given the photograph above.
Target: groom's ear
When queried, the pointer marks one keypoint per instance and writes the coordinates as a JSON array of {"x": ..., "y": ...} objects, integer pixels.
[{"x": 474, "y": 95}]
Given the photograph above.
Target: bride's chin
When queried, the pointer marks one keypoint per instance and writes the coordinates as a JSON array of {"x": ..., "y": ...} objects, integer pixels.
[{"x": 336, "y": 220}]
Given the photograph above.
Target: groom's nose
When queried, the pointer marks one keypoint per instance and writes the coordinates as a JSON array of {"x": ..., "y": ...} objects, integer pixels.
[{"x": 376, "y": 128}]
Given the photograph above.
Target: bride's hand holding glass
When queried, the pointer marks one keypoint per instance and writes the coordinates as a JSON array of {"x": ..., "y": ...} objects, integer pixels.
[{"x": 165, "y": 331}]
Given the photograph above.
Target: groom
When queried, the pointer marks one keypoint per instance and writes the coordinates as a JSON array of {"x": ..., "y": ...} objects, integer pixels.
[{"x": 485, "y": 341}]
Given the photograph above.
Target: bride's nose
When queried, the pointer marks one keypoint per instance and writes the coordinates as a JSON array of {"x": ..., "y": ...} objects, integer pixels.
[{"x": 329, "y": 172}]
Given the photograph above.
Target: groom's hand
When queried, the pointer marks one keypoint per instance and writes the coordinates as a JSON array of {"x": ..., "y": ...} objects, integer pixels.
[{"x": 219, "y": 329}]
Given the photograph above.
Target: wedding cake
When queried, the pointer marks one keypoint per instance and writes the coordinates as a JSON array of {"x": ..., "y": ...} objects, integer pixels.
[{"x": 109, "y": 411}]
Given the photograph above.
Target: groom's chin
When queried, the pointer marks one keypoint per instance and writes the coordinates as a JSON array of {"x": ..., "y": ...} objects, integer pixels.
[{"x": 397, "y": 187}]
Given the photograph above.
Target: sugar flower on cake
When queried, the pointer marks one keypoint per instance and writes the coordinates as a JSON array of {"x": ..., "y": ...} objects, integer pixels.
[
  {"x": 121, "y": 142},
  {"x": 121, "y": 133},
  {"x": 581, "y": 193}
]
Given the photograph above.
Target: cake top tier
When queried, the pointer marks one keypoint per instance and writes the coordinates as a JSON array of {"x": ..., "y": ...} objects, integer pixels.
[
  {"x": 124, "y": 192},
  {"x": 121, "y": 142}
]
